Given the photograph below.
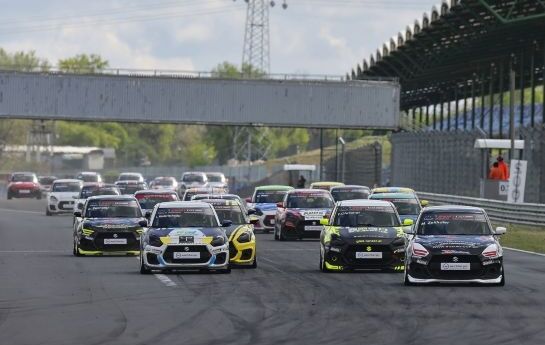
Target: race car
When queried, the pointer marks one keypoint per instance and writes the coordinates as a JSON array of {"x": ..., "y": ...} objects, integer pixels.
[
  {"x": 45, "y": 183},
  {"x": 23, "y": 185},
  {"x": 241, "y": 236},
  {"x": 325, "y": 185},
  {"x": 189, "y": 193},
  {"x": 217, "y": 180},
  {"x": 131, "y": 176},
  {"x": 404, "y": 190},
  {"x": 264, "y": 201},
  {"x": 407, "y": 204},
  {"x": 62, "y": 196},
  {"x": 350, "y": 192},
  {"x": 93, "y": 189},
  {"x": 220, "y": 196},
  {"x": 129, "y": 187},
  {"x": 192, "y": 180},
  {"x": 454, "y": 244},
  {"x": 151, "y": 197},
  {"x": 89, "y": 176},
  {"x": 185, "y": 235},
  {"x": 363, "y": 234},
  {"x": 162, "y": 182},
  {"x": 108, "y": 225},
  {"x": 298, "y": 215}
]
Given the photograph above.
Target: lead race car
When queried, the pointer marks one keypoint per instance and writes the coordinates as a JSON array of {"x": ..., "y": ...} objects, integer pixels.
[
  {"x": 109, "y": 224},
  {"x": 264, "y": 201},
  {"x": 299, "y": 215},
  {"x": 363, "y": 234},
  {"x": 185, "y": 235},
  {"x": 454, "y": 244}
]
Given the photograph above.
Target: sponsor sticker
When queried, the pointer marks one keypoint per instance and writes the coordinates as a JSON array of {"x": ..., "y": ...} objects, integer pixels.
[
  {"x": 187, "y": 255},
  {"x": 24, "y": 191},
  {"x": 368, "y": 255},
  {"x": 115, "y": 241},
  {"x": 313, "y": 228},
  {"x": 455, "y": 266}
]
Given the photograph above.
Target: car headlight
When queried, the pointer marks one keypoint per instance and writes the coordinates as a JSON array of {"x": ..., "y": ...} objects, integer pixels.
[
  {"x": 492, "y": 252},
  {"x": 53, "y": 199},
  {"x": 419, "y": 251},
  {"x": 218, "y": 241},
  {"x": 154, "y": 241},
  {"x": 245, "y": 237}
]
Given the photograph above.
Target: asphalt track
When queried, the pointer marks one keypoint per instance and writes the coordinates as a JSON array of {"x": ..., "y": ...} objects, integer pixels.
[{"x": 47, "y": 296}]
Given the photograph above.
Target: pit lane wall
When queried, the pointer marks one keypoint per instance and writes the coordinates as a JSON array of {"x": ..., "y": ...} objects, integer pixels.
[{"x": 447, "y": 162}]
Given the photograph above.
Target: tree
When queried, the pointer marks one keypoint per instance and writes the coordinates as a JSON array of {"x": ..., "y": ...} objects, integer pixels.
[
  {"x": 83, "y": 63},
  {"x": 227, "y": 70}
]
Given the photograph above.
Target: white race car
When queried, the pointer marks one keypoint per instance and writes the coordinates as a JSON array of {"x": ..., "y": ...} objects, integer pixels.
[{"x": 62, "y": 196}]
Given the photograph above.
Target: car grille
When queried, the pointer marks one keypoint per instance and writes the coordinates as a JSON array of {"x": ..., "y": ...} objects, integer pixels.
[
  {"x": 66, "y": 205},
  {"x": 232, "y": 251},
  {"x": 132, "y": 242},
  {"x": 475, "y": 272},
  {"x": 267, "y": 221},
  {"x": 168, "y": 255},
  {"x": 350, "y": 255}
]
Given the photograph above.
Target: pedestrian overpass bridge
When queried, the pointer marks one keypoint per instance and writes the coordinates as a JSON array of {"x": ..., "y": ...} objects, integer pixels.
[{"x": 198, "y": 100}]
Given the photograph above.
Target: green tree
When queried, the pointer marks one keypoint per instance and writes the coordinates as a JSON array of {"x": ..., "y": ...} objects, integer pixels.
[
  {"x": 22, "y": 61},
  {"x": 83, "y": 63}
]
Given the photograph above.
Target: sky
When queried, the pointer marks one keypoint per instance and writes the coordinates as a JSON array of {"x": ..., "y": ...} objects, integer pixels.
[{"x": 309, "y": 37}]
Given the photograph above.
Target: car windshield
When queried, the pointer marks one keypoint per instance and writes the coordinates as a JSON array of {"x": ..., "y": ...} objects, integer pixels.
[
  {"x": 164, "y": 182},
  {"x": 193, "y": 178},
  {"x": 215, "y": 178},
  {"x": 230, "y": 212},
  {"x": 148, "y": 201},
  {"x": 131, "y": 188},
  {"x": 112, "y": 209},
  {"x": 309, "y": 200},
  {"x": 351, "y": 194},
  {"x": 47, "y": 180},
  {"x": 107, "y": 191},
  {"x": 88, "y": 177},
  {"x": 70, "y": 187},
  {"x": 453, "y": 223},
  {"x": 405, "y": 206},
  {"x": 22, "y": 178},
  {"x": 372, "y": 216},
  {"x": 185, "y": 217},
  {"x": 129, "y": 177},
  {"x": 269, "y": 196},
  {"x": 87, "y": 191}
]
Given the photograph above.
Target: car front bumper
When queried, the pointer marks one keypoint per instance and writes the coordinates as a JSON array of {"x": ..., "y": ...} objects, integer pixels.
[{"x": 161, "y": 258}]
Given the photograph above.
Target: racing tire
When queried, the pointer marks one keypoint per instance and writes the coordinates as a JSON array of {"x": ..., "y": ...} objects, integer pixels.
[
  {"x": 280, "y": 235},
  {"x": 9, "y": 196},
  {"x": 322, "y": 265},
  {"x": 502, "y": 281},
  {"x": 275, "y": 234},
  {"x": 39, "y": 196},
  {"x": 143, "y": 268},
  {"x": 48, "y": 213},
  {"x": 75, "y": 250},
  {"x": 254, "y": 264},
  {"x": 406, "y": 280}
]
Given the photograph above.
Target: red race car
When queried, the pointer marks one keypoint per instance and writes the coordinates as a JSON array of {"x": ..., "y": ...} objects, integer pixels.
[{"x": 24, "y": 185}]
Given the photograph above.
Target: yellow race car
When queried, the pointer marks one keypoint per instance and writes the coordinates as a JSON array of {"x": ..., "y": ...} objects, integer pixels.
[{"x": 242, "y": 247}]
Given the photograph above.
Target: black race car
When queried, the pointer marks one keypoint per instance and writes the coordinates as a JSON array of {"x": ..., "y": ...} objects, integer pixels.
[
  {"x": 108, "y": 224},
  {"x": 454, "y": 244},
  {"x": 363, "y": 234},
  {"x": 299, "y": 215}
]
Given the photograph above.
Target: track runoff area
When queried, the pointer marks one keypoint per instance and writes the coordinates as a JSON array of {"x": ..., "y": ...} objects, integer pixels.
[{"x": 48, "y": 296}]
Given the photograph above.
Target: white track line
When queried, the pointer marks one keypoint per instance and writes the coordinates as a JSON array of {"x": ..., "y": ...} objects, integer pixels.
[
  {"x": 33, "y": 251},
  {"x": 20, "y": 211},
  {"x": 165, "y": 280},
  {"x": 524, "y": 251}
]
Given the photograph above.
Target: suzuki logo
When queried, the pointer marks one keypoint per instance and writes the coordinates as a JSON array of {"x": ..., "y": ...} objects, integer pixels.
[
  {"x": 115, "y": 235},
  {"x": 455, "y": 259},
  {"x": 369, "y": 248},
  {"x": 186, "y": 249}
]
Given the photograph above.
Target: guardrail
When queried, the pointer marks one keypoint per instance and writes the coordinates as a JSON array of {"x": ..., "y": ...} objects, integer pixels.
[{"x": 528, "y": 214}]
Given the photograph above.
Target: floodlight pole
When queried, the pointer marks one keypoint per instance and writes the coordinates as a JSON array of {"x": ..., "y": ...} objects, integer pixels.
[{"x": 512, "y": 112}]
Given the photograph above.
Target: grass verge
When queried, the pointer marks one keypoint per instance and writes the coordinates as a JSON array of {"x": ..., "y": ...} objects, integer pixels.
[{"x": 525, "y": 237}]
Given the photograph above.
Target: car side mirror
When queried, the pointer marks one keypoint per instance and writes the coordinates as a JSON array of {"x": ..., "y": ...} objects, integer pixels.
[
  {"x": 280, "y": 204},
  {"x": 251, "y": 211},
  {"x": 408, "y": 222},
  {"x": 248, "y": 199},
  {"x": 143, "y": 223},
  {"x": 226, "y": 223},
  {"x": 148, "y": 214},
  {"x": 500, "y": 230},
  {"x": 324, "y": 221},
  {"x": 77, "y": 214},
  {"x": 424, "y": 203}
]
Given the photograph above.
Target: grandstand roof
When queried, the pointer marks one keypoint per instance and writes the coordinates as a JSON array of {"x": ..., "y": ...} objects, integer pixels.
[{"x": 459, "y": 45}]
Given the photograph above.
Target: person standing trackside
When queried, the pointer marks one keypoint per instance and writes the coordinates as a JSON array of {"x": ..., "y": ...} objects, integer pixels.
[
  {"x": 496, "y": 173},
  {"x": 301, "y": 182},
  {"x": 503, "y": 166}
]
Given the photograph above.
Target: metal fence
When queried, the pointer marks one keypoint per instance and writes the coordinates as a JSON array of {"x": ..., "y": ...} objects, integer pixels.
[
  {"x": 534, "y": 153},
  {"x": 362, "y": 166},
  {"x": 529, "y": 214},
  {"x": 437, "y": 162}
]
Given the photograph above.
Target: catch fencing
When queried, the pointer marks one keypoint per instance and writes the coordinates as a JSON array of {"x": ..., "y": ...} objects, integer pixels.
[{"x": 361, "y": 166}]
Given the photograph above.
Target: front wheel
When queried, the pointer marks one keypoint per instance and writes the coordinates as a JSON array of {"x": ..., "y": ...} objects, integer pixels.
[
  {"x": 143, "y": 268},
  {"x": 47, "y": 212},
  {"x": 406, "y": 280},
  {"x": 39, "y": 196},
  {"x": 502, "y": 281},
  {"x": 254, "y": 264},
  {"x": 323, "y": 267},
  {"x": 75, "y": 250},
  {"x": 9, "y": 196}
]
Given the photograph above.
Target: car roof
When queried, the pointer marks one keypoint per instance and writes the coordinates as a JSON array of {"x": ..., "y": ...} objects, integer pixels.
[
  {"x": 327, "y": 183},
  {"x": 393, "y": 190},
  {"x": 392, "y": 196},
  {"x": 114, "y": 197},
  {"x": 88, "y": 173},
  {"x": 308, "y": 191},
  {"x": 131, "y": 173},
  {"x": 274, "y": 187},
  {"x": 66, "y": 180},
  {"x": 194, "y": 172},
  {"x": 23, "y": 173},
  {"x": 364, "y": 202},
  {"x": 349, "y": 186},
  {"x": 203, "y": 189},
  {"x": 215, "y": 173},
  {"x": 229, "y": 202},
  {"x": 453, "y": 208},
  {"x": 185, "y": 204},
  {"x": 155, "y": 191}
]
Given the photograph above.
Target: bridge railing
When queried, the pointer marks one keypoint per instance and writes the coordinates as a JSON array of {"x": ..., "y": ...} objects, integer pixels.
[{"x": 528, "y": 214}]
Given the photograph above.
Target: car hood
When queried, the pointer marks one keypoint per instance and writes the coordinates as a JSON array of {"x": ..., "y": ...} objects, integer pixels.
[
  {"x": 450, "y": 244},
  {"x": 111, "y": 223},
  {"x": 200, "y": 235},
  {"x": 232, "y": 230},
  {"x": 265, "y": 206}
]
